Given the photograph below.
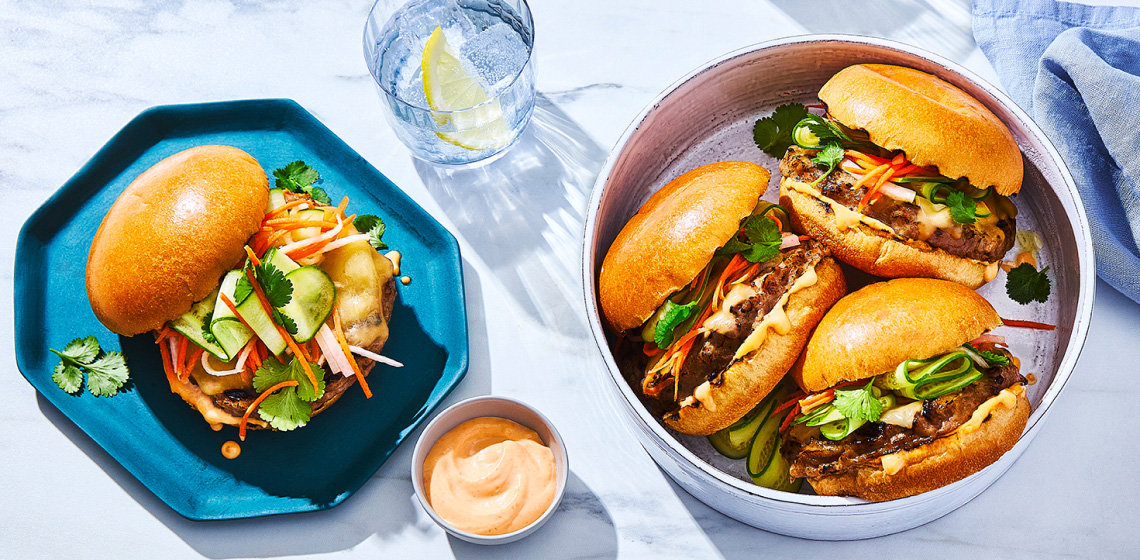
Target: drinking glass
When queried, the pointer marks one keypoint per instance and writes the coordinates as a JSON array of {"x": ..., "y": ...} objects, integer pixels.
[{"x": 492, "y": 41}]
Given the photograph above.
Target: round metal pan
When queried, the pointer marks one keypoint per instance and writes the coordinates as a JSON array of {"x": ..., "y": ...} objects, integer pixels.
[{"x": 708, "y": 116}]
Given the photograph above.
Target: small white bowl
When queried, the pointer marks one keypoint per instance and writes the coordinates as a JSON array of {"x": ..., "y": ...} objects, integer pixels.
[{"x": 500, "y": 407}]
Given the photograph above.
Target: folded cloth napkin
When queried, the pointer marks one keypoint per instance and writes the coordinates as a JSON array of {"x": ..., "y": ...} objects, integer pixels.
[{"x": 1076, "y": 70}]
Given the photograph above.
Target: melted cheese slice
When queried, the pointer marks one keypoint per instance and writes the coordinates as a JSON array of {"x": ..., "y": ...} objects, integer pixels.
[
  {"x": 776, "y": 319},
  {"x": 845, "y": 218}
]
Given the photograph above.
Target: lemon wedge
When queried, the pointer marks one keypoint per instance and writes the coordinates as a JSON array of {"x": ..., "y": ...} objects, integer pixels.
[{"x": 448, "y": 86}]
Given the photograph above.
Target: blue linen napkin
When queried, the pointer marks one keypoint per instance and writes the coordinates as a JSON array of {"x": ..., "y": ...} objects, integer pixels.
[{"x": 1076, "y": 70}]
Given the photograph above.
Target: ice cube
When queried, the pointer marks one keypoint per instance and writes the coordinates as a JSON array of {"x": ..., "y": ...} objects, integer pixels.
[
  {"x": 496, "y": 55},
  {"x": 412, "y": 93}
]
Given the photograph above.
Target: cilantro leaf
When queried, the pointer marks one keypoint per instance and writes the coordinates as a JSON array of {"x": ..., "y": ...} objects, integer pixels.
[
  {"x": 374, "y": 227},
  {"x": 319, "y": 195},
  {"x": 763, "y": 240},
  {"x": 107, "y": 374},
  {"x": 207, "y": 334},
  {"x": 858, "y": 403},
  {"x": 1025, "y": 284},
  {"x": 824, "y": 129},
  {"x": 285, "y": 321},
  {"x": 672, "y": 316},
  {"x": 284, "y": 410},
  {"x": 773, "y": 134},
  {"x": 278, "y": 289},
  {"x": 830, "y": 155},
  {"x": 242, "y": 289},
  {"x": 992, "y": 358},
  {"x": 68, "y": 377},
  {"x": 272, "y": 372},
  {"x": 296, "y": 176},
  {"x": 80, "y": 351},
  {"x": 289, "y": 408},
  {"x": 962, "y": 207}
]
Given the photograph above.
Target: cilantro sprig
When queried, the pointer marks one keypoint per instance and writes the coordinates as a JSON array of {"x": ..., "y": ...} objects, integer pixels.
[
  {"x": 1024, "y": 284},
  {"x": 773, "y": 134},
  {"x": 993, "y": 359},
  {"x": 858, "y": 404},
  {"x": 374, "y": 227},
  {"x": 963, "y": 209},
  {"x": 106, "y": 371},
  {"x": 762, "y": 240},
  {"x": 278, "y": 290},
  {"x": 298, "y": 177},
  {"x": 288, "y": 408}
]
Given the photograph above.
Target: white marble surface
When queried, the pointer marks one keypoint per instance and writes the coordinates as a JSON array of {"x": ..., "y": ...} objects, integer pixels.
[{"x": 72, "y": 74}]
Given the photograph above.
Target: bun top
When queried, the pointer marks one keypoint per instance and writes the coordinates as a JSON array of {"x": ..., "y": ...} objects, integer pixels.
[
  {"x": 172, "y": 234},
  {"x": 933, "y": 122},
  {"x": 873, "y": 330},
  {"x": 673, "y": 236}
]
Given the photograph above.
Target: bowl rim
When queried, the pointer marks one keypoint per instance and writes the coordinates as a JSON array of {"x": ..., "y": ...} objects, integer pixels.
[
  {"x": 423, "y": 447},
  {"x": 838, "y": 504}
]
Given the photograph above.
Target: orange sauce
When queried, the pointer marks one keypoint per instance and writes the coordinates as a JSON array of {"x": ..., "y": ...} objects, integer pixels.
[{"x": 490, "y": 476}]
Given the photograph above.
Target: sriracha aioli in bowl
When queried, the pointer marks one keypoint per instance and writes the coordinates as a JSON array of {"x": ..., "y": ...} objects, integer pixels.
[{"x": 490, "y": 476}]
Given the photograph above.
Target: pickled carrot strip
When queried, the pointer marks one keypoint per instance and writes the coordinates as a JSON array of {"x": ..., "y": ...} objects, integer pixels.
[
  {"x": 338, "y": 330},
  {"x": 245, "y": 417}
]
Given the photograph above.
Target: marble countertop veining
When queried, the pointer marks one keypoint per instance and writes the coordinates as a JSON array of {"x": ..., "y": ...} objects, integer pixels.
[{"x": 72, "y": 74}]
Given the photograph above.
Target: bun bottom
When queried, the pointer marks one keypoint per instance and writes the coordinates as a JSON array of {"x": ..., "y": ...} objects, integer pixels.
[
  {"x": 749, "y": 380},
  {"x": 938, "y": 463},
  {"x": 876, "y": 252}
]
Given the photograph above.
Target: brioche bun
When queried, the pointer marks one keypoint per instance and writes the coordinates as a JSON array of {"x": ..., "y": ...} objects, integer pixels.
[
  {"x": 933, "y": 122},
  {"x": 934, "y": 465},
  {"x": 874, "y": 329},
  {"x": 673, "y": 236},
  {"x": 749, "y": 380},
  {"x": 875, "y": 251},
  {"x": 172, "y": 234}
]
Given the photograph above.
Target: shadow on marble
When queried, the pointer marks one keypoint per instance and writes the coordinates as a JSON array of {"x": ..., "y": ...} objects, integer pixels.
[
  {"x": 524, "y": 212},
  {"x": 943, "y": 27},
  {"x": 581, "y": 527},
  {"x": 383, "y": 507}
]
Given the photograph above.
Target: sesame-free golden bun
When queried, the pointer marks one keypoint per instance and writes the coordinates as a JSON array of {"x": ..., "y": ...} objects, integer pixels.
[
  {"x": 874, "y": 329},
  {"x": 673, "y": 236},
  {"x": 932, "y": 121},
  {"x": 171, "y": 235}
]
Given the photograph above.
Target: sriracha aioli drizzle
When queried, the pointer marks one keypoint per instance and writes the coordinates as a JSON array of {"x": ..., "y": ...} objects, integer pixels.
[{"x": 490, "y": 476}]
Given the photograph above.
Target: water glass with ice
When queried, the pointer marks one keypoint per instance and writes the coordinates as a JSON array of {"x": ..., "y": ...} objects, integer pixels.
[{"x": 454, "y": 75}]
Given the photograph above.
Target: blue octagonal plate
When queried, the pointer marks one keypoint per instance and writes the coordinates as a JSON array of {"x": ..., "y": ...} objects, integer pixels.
[{"x": 148, "y": 429}]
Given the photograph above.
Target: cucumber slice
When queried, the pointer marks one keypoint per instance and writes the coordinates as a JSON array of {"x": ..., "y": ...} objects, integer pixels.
[
  {"x": 280, "y": 260},
  {"x": 775, "y": 474},
  {"x": 734, "y": 441},
  {"x": 254, "y": 314},
  {"x": 228, "y": 330},
  {"x": 313, "y": 297},
  {"x": 191, "y": 325},
  {"x": 763, "y": 445},
  {"x": 276, "y": 199},
  {"x": 312, "y": 214}
]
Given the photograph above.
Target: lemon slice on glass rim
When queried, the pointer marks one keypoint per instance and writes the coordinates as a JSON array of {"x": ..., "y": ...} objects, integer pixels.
[{"x": 448, "y": 86}]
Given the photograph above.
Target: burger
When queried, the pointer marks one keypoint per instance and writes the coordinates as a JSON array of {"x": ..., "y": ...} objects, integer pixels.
[
  {"x": 904, "y": 176},
  {"x": 904, "y": 391},
  {"x": 266, "y": 304},
  {"x": 711, "y": 296}
]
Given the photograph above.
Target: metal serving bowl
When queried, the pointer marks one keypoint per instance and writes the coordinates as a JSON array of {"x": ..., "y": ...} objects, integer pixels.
[{"x": 708, "y": 116}]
